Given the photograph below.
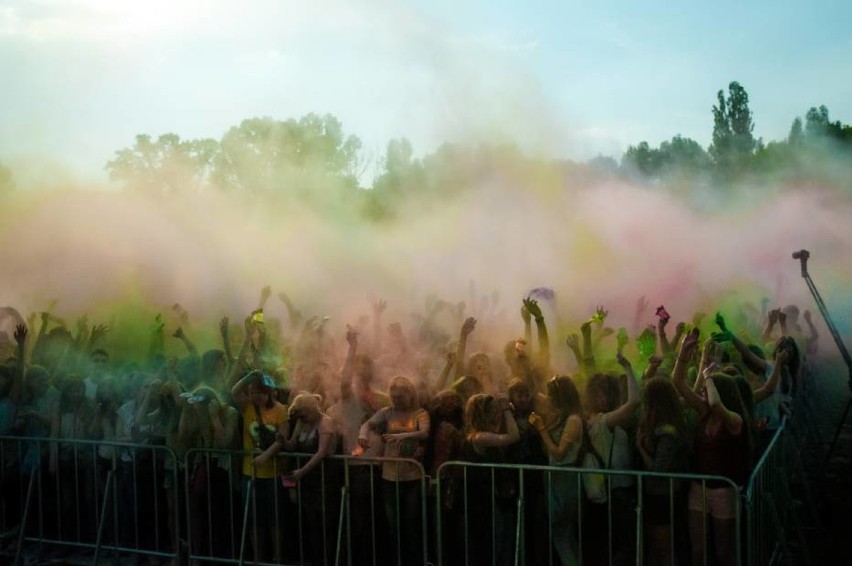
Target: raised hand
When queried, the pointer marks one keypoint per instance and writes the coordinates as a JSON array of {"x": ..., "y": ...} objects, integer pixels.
[
  {"x": 647, "y": 342},
  {"x": 265, "y": 293},
  {"x": 20, "y": 334},
  {"x": 573, "y": 341},
  {"x": 178, "y": 333},
  {"x": 351, "y": 336},
  {"x": 223, "y": 326},
  {"x": 720, "y": 322},
  {"x": 533, "y": 308},
  {"x": 98, "y": 331},
  {"x": 468, "y": 326},
  {"x": 663, "y": 314},
  {"x": 379, "y": 307},
  {"x": 600, "y": 315},
  {"x": 724, "y": 335},
  {"x": 689, "y": 344}
]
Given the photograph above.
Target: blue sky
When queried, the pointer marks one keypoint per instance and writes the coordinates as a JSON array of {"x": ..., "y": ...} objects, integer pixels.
[{"x": 567, "y": 79}]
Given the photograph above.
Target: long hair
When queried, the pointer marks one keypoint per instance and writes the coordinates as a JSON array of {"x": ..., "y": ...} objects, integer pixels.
[
  {"x": 662, "y": 406},
  {"x": 564, "y": 396},
  {"x": 603, "y": 393},
  {"x": 479, "y": 413},
  {"x": 790, "y": 370},
  {"x": 406, "y": 384},
  {"x": 729, "y": 394}
]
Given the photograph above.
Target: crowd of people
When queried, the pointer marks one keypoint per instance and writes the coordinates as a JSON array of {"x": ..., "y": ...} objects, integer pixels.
[{"x": 703, "y": 398}]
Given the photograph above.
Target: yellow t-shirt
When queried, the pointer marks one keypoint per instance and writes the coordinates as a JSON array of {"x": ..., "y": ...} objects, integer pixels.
[{"x": 272, "y": 418}]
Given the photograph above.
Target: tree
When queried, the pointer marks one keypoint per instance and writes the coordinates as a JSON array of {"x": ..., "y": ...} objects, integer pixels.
[
  {"x": 7, "y": 180},
  {"x": 683, "y": 155},
  {"x": 796, "y": 135},
  {"x": 733, "y": 142},
  {"x": 262, "y": 154},
  {"x": 166, "y": 165},
  {"x": 643, "y": 158}
]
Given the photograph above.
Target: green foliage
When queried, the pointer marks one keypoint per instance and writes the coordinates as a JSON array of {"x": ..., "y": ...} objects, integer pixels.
[
  {"x": 675, "y": 158},
  {"x": 167, "y": 165},
  {"x": 266, "y": 155},
  {"x": 733, "y": 142},
  {"x": 7, "y": 180},
  {"x": 259, "y": 155}
]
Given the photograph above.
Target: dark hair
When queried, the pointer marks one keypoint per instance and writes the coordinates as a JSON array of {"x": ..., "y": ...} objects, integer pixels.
[
  {"x": 477, "y": 414},
  {"x": 791, "y": 367},
  {"x": 208, "y": 360},
  {"x": 564, "y": 397},
  {"x": 99, "y": 352},
  {"x": 729, "y": 395},
  {"x": 71, "y": 382},
  {"x": 603, "y": 393},
  {"x": 662, "y": 405}
]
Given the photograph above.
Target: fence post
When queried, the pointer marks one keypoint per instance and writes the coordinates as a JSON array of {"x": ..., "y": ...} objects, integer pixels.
[{"x": 104, "y": 504}]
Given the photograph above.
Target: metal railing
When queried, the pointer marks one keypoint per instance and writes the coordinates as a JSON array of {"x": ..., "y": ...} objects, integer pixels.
[
  {"x": 577, "y": 530},
  {"x": 109, "y": 497},
  {"x": 87, "y": 495}
]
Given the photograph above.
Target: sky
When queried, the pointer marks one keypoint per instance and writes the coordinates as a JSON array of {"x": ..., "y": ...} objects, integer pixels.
[{"x": 564, "y": 79}]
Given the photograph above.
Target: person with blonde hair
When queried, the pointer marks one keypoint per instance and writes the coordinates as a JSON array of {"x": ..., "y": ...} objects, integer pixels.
[
  {"x": 490, "y": 427},
  {"x": 404, "y": 427},
  {"x": 314, "y": 434}
]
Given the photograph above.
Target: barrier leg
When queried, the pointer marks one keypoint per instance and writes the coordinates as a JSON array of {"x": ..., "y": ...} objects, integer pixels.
[
  {"x": 24, "y": 518},
  {"x": 104, "y": 504},
  {"x": 344, "y": 494},
  {"x": 245, "y": 522}
]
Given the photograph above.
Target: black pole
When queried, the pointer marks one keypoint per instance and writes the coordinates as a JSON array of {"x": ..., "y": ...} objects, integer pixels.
[{"x": 802, "y": 256}]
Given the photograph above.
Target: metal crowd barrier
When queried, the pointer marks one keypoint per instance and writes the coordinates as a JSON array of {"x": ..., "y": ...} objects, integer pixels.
[
  {"x": 575, "y": 530},
  {"x": 118, "y": 498},
  {"x": 85, "y": 496},
  {"x": 335, "y": 517}
]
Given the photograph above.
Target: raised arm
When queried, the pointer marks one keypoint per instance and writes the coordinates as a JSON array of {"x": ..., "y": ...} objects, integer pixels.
[
  {"x": 543, "y": 356},
  {"x": 467, "y": 327},
  {"x": 665, "y": 346},
  {"x": 762, "y": 393},
  {"x": 443, "y": 379},
  {"x": 732, "y": 420},
  {"x": 156, "y": 346},
  {"x": 379, "y": 307},
  {"x": 294, "y": 313},
  {"x": 527, "y": 318},
  {"x": 589, "y": 366},
  {"x": 770, "y": 324},
  {"x": 349, "y": 365},
  {"x": 224, "y": 332},
  {"x": 239, "y": 391},
  {"x": 623, "y": 415},
  {"x": 685, "y": 355},
  {"x": 190, "y": 347},
  {"x": 20, "y": 364},
  {"x": 573, "y": 343},
  {"x": 813, "y": 336}
]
